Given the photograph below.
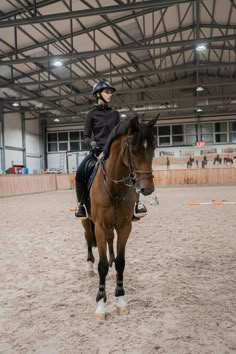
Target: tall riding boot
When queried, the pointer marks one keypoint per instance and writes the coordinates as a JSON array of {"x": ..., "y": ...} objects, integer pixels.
[{"x": 81, "y": 211}]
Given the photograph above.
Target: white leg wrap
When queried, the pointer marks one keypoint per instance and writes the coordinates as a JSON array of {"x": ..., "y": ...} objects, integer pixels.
[
  {"x": 100, "y": 310},
  {"x": 120, "y": 302},
  {"x": 121, "y": 306}
]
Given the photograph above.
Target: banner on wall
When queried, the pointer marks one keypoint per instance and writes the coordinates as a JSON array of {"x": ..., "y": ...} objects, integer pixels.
[{"x": 200, "y": 143}]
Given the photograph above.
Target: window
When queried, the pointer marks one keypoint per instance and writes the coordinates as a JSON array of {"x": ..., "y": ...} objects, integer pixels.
[
  {"x": 191, "y": 136},
  {"x": 232, "y": 137},
  {"x": 74, "y": 146},
  {"x": 164, "y": 135},
  {"x": 165, "y": 130},
  {"x": 207, "y": 133},
  {"x": 52, "y": 147},
  {"x": 164, "y": 140},
  {"x": 220, "y": 132},
  {"x": 232, "y": 132},
  {"x": 178, "y": 140},
  {"x": 64, "y": 141},
  {"x": 177, "y": 135},
  {"x": 63, "y": 136},
  {"x": 63, "y": 146},
  {"x": 52, "y": 137},
  {"x": 177, "y": 129},
  {"x": 74, "y": 136},
  {"x": 221, "y": 138},
  {"x": 220, "y": 127}
]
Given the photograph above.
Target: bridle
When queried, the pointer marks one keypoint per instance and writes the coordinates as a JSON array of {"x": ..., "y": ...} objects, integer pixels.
[{"x": 130, "y": 181}]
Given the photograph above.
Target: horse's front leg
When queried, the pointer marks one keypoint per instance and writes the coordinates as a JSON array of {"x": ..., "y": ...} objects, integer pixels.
[
  {"x": 110, "y": 239},
  {"x": 103, "y": 267},
  {"x": 123, "y": 235}
]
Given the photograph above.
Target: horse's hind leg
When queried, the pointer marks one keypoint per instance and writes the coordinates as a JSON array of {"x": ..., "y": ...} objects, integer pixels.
[{"x": 91, "y": 241}]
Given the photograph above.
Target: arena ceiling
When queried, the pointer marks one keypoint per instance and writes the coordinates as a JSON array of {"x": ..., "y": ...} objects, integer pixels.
[{"x": 53, "y": 51}]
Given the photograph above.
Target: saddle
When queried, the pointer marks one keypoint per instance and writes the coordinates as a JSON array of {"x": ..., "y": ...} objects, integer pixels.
[{"x": 91, "y": 168}]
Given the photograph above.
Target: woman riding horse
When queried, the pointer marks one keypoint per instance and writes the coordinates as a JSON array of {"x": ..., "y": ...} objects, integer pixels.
[{"x": 125, "y": 168}]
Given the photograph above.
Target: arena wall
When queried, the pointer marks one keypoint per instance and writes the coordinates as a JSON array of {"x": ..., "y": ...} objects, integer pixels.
[{"x": 11, "y": 185}]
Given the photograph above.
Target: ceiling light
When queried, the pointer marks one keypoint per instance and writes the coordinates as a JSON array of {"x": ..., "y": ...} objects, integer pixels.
[
  {"x": 56, "y": 120},
  {"x": 199, "y": 89},
  {"x": 58, "y": 63},
  {"x": 199, "y": 110},
  {"x": 201, "y": 47},
  {"x": 15, "y": 104}
]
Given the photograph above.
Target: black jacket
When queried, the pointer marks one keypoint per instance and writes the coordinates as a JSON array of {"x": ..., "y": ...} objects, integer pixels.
[{"x": 99, "y": 123}]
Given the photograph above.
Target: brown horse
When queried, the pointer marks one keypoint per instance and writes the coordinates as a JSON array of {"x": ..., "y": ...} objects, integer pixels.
[{"x": 125, "y": 170}]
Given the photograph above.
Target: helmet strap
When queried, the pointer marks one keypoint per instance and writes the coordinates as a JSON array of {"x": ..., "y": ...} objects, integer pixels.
[{"x": 101, "y": 97}]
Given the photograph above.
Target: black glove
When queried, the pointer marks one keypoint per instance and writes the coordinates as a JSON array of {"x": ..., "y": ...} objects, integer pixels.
[{"x": 97, "y": 151}]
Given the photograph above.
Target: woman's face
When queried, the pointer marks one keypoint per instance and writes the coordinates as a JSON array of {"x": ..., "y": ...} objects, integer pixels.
[{"x": 107, "y": 95}]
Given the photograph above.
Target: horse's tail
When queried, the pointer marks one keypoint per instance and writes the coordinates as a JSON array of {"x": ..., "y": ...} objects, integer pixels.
[{"x": 94, "y": 241}]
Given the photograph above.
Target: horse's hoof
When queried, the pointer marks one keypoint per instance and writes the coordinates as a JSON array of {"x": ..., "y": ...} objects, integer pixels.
[
  {"x": 121, "y": 306},
  {"x": 122, "y": 310},
  {"x": 100, "y": 312},
  {"x": 100, "y": 316},
  {"x": 90, "y": 268}
]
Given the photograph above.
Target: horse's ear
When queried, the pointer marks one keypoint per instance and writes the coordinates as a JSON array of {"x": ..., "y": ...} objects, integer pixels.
[
  {"x": 134, "y": 123},
  {"x": 153, "y": 121}
]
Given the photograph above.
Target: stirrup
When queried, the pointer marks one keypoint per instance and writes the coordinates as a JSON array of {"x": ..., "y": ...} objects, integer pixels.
[
  {"x": 84, "y": 213},
  {"x": 139, "y": 210}
]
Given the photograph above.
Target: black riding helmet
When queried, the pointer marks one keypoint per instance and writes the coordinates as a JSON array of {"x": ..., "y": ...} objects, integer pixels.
[{"x": 101, "y": 85}]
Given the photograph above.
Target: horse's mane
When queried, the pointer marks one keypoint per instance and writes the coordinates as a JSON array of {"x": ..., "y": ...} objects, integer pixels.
[{"x": 140, "y": 133}]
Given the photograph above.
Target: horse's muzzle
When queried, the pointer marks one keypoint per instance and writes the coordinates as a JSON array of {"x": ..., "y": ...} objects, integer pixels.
[{"x": 147, "y": 191}]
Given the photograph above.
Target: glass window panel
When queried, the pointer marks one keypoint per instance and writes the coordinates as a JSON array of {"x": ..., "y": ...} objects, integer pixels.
[
  {"x": 63, "y": 136},
  {"x": 177, "y": 129},
  {"x": 81, "y": 134},
  {"x": 208, "y": 138},
  {"x": 165, "y": 130},
  {"x": 220, "y": 138},
  {"x": 220, "y": 127},
  {"x": 232, "y": 137},
  {"x": 52, "y": 136},
  {"x": 207, "y": 128},
  {"x": 84, "y": 146},
  {"x": 63, "y": 146},
  {"x": 191, "y": 129},
  {"x": 191, "y": 139},
  {"x": 154, "y": 131},
  {"x": 52, "y": 147},
  {"x": 74, "y": 135},
  {"x": 74, "y": 146},
  {"x": 164, "y": 140},
  {"x": 232, "y": 126},
  {"x": 178, "y": 140}
]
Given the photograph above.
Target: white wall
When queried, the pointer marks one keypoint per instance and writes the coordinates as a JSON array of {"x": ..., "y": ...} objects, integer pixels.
[
  {"x": 13, "y": 139},
  {"x": 33, "y": 146},
  {"x": 23, "y": 145}
]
